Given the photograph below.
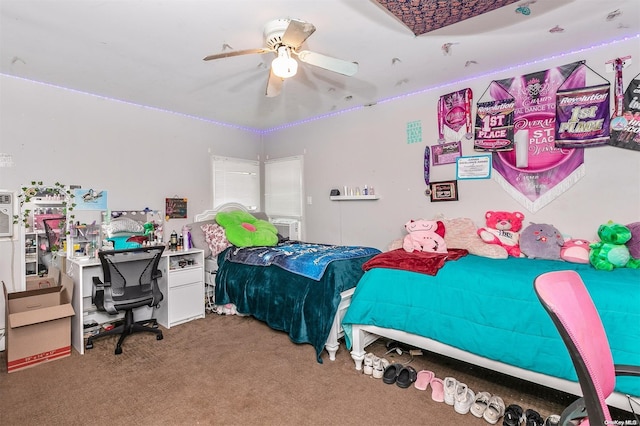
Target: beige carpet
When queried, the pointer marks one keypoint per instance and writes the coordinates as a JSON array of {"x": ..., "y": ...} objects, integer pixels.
[{"x": 236, "y": 371}]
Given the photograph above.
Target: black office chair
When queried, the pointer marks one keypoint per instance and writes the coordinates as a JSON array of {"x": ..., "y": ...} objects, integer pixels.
[{"x": 130, "y": 281}]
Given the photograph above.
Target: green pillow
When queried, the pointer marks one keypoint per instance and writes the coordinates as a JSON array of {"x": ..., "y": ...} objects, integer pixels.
[{"x": 244, "y": 230}]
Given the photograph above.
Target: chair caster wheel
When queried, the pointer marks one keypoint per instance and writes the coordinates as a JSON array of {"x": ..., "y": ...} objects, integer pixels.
[
  {"x": 118, "y": 351},
  {"x": 88, "y": 346},
  {"x": 159, "y": 337}
]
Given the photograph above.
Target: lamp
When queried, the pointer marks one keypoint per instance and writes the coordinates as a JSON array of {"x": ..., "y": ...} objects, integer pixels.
[{"x": 284, "y": 66}]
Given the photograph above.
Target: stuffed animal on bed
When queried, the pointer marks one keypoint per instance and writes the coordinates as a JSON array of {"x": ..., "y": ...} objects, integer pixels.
[
  {"x": 611, "y": 252},
  {"x": 575, "y": 250},
  {"x": 541, "y": 241},
  {"x": 245, "y": 230},
  {"x": 502, "y": 229},
  {"x": 424, "y": 235}
]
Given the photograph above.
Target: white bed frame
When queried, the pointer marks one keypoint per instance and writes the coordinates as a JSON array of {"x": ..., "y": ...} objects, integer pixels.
[
  {"x": 364, "y": 335},
  {"x": 333, "y": 340}
]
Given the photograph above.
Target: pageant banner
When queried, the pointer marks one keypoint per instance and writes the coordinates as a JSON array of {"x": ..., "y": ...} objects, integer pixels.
[
  {"x": 625, "y": 132},
  {"x": 454, "y": 116},
  {"x": 536, "y": 171},
  {"x": 494, "y": 125},
  {"x": 582, "y": 117}
]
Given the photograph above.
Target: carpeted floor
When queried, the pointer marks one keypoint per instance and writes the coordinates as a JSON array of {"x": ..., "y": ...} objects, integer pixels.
[{"x": 228, "y": 370}]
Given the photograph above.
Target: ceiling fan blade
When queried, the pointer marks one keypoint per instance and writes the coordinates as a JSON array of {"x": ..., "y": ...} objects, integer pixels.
[
  {"x": 237, "y": 53},
  {"x": 297, "y": 32},
  {"x": 327, "y": 62},
  {"x": 274, "y": 85}
]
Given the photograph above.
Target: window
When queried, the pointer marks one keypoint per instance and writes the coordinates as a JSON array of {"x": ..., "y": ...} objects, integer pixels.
[
  {"x": 283, "y": 191},
  {"x": 236, "y": 180}
]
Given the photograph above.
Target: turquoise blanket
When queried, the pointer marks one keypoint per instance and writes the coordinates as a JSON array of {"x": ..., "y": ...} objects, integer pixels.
[{"x": 488, "y": 307}]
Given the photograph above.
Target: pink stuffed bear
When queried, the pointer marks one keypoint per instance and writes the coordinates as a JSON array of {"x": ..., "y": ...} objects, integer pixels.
[
  {"x": 502, "y": 229},
  {"x": 424, "y": 235}
]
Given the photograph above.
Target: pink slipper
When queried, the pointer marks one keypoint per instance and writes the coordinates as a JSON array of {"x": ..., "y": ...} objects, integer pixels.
[
  {"x": 437, "y": 389},
  {"x": 424, "y": 377}
]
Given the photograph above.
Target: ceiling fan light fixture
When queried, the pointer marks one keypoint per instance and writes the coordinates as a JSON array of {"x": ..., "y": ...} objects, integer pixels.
[{"x": 284, "y": 66}]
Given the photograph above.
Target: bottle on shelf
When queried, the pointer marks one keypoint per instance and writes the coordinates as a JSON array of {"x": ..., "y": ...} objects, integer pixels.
[{"x": 173, "y": 241}]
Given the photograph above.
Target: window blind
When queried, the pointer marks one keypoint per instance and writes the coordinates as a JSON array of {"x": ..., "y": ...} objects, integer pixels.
[
  {"x": 236, "y": 180},
  {"x": 284, "y": 187}
]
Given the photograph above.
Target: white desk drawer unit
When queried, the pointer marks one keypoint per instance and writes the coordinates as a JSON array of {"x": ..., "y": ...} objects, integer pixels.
[{"x": 183, "y": 287}]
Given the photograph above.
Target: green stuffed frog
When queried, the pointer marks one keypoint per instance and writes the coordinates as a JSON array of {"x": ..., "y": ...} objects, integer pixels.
[{"x": 611, "y": 252}]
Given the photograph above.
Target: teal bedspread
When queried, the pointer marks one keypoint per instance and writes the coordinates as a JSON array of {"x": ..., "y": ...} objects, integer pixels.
[
  {"x": 301, "y": 306},
  {"x": 488, "y": 307}
]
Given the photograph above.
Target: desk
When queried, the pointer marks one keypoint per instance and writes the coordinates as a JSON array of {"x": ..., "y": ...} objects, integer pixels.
[{"x": 182, "y": 288}]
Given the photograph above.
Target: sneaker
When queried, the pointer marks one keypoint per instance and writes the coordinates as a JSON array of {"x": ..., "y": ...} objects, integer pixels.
[
  {"x": 513, "y": 415},
  {"x": 450, "y": 390},
  {"x": 368, "y": 363},
  {"x": 552, "y": 420},
  {"x": 480, "y": 404},
  {"x": 495, "y": 410},
  {"x": 379, "y": 365},
  {"x": 463, "y": 399},
  {"x": 532, "y": 418}
]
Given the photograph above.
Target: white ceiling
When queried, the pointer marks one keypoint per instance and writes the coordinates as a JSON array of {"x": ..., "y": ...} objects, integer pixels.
[{"x": 149, "y": 52}]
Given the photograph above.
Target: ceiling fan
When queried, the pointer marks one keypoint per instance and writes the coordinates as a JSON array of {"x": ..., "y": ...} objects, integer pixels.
[{"x": 284, "y": 37}]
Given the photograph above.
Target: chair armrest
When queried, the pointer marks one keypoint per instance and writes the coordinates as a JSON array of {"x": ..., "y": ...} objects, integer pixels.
[
  {"x": 98, "y": 283},
  {"x": 157, "y": 274},
  {"x": 627, "y": 370}
]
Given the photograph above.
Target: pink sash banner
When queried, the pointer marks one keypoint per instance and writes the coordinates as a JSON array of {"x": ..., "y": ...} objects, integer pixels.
[
  {"x": 454, "y": 116},
  {"x": 536, "y": 171},
  {"x": 625, "y": 129}
]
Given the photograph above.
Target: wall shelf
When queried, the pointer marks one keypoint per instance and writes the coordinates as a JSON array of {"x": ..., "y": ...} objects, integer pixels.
[{"x": 353, "y": 197}]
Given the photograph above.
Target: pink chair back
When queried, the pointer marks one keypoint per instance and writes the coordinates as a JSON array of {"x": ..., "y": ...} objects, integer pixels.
[{"x": 570, "y": 306}]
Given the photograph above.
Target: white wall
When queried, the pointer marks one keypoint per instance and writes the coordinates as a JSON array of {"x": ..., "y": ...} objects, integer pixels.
[
  {"x": 140, "y": 156},
  {"x": 369, "y": 146}
]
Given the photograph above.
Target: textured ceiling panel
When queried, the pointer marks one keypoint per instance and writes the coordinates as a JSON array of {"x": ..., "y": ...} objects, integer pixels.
[{"x": 423, "y": 16}]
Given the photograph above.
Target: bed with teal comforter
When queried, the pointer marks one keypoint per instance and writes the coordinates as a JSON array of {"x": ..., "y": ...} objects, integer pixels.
[{"x": 488, "y": 307}]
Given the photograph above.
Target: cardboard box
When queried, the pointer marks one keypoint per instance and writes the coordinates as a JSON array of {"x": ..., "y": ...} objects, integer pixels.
[
  {"x": 51, "y": 280},
  {"x": 38, "y": 325}
]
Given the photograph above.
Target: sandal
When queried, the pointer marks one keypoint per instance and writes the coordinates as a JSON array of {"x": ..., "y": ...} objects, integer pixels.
[
  {"x": 495, "y": 410},
  {"x": 437, "y": 389},
  {"x": 533, "y": 418},
  {"x": 406, "y": 376},
  {"x": 423, "y": 380},
  {"x": 512, "y": 415},
  {"x": 480, "y": 404},
  {"x": 390, "y": 374}
]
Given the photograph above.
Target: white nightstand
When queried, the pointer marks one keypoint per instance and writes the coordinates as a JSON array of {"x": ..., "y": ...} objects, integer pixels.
[{"x": 182, "y": 284}]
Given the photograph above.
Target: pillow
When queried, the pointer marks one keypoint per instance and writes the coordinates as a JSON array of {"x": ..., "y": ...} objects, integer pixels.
[
  {"x": 244, "y": 230},
  {"x": 215, "y": 237},
  {"x": 634, "y": 243},
  {"x": 123, "y": 224},
  {"x": 462, "y": 233},
  {"x": 197, "y": 236}
]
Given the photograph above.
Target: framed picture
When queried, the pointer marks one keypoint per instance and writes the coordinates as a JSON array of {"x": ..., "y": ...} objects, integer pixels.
[
  {"x": 176, "y": 208},
  {"x": 444, "y": 191},
  {"x": 445, "y": 153}
]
